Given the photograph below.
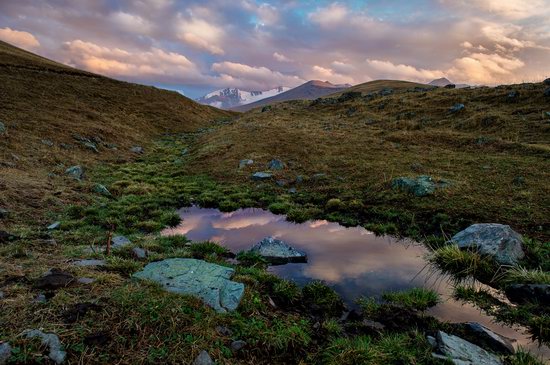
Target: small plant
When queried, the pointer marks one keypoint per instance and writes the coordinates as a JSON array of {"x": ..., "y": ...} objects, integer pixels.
[
  {"x": 333, "y": 205},
  {"x": 415, "y": 299},
  {"x": 251, "y": 259},
  {"x": 320, "y": 298},
  {"x": 203, "y": 249},
  {"x": 286, "y": 292},
  {"x": 278, "y": 208},
  {"x": 463, "y": 264},
  {"x": 523, "y": 357},
  {"x": 521, "y": 275}
]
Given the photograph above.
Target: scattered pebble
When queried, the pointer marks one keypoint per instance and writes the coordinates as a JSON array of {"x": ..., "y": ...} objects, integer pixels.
[
  {"x": 86, "y": 281},
  {"x": 54, "y": 225},
  {"x": 52, "y": 342},
  {"x": 237, "y": 345},
  {"x": 89, "y": 263},
  {"x": 5, "y": 352},
  {"x": 203, "y": 359},
  {"x": 139, "y": 253},
  {"x": 137, "y": 149}
]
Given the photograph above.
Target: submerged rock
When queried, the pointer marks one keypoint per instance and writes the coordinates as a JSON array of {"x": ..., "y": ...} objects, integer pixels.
[
  {"x": 203, "y": 359},
  {"x": 421, "y": 186},
  {"x": 209, "y": 282},
  {"x": 488, "y": 339},
  {"x": 525, "y": 293},
  {"x": 462, "y": 352},
  {"x": 76, "y": 172},
  {"x": 5, "y": 352},
  {"x": 278, "y": 252},
  {"x": 259, "y": 176},
  {"x": 50, "y": 340},
  {"x": 496, "y": 240}
]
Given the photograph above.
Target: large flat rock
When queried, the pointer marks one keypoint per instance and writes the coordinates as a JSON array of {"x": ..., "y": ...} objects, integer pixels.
[
  {"x": 209, "y": 282},
  {"x": 462, "y": 352}
]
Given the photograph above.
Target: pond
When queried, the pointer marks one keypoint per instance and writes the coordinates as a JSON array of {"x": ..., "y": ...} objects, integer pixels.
[{"x": 353, "y": 261}]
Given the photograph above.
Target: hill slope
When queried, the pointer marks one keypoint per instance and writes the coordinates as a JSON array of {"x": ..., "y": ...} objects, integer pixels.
[
  {"x": 308, "y": 91},
  {"x": 46, "y": 104}
]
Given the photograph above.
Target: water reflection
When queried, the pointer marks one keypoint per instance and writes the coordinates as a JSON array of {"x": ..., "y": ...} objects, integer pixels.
[{"x": 353, "y": 261}]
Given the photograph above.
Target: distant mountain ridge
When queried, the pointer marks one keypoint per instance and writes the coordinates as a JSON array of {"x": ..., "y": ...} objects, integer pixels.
[
  {"x": 310, "y": 90},
  {"x": 232, "y": 97},
  {"x": 443, "y": 81}
]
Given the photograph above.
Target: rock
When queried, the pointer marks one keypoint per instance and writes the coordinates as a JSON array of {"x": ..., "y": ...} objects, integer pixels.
[
  {"x": 4, "y": 213},
  {"x": 462, "y": 352},
  {"x": 349, "y": 95},
  {"x": 513, "y": 96},
  {"x": 260, "y": 176},
  {"x": 457, "y": 108},
  {"x": 203, "y": 359},
  {"x": 299, "y": 179},
  {"x": 5, "y": 352},
  {"x": 518, "y": 181},
  {"x": 488, "y": 339},
  {"x": 2, "y": 128},
  {"x": 86, "y": 281},
  {"x": 66, "y": 146},
  {"x": 53, "y": 226},
  {"x": 278, "y": 252},
  {"x": 266, "y": 108},
  {"x": 91, "y": 146},
  {"x": 101, "y": 190},
  {"x": 450, "y": 86},
  {"x": 79, "y": 310},
  {"x": 41, "y": 299},
  {"x": 496, "y": 240},
  {"x": 546, "y": 115},
  {"x": 275, "y": 165},
  {"x": 432, "y": 341},
  {"x": 525, "y": 293},
  {"x": 385, "y": 92},
  {"x": 2, "y": 295},
  {"x": 119, "y": 242},
  {"x": 421, "y": 186},
  {"x": 54, "y": 279},
  {"x": 292, "y": 191},
  {"x": 47, "y": 142},
  {"x": 6, "y": 237},
  {"x": 237, "y": 345},
  {"x": 184, "y": 152},
  {"x": 139, "y": 253},
  {"x": 281, "y": 183},
  {"x": 137, "y": 149},
  {"x": 207, "y": 281},
  {"x": 244, "y": 163},
  {"x": 546, "y": 92},
  {"x": 224, "y": 331},
  {"x": 89, "y": 263},
  {"x": 417, "y": 167},
  {"x": 76, "y": 172},
  {"x": 546, "y": 82},
  {"x": 50, "y": 340}
]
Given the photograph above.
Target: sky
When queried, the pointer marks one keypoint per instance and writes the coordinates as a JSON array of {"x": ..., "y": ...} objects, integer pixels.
[{"x": 197, "y": 46}]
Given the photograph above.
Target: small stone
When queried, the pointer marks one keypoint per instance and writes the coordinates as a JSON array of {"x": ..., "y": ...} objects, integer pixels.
[
  {"x": 292, "y": 191},
  {"x": 50, "y": 340},
  {"x": 139, "y": 253},
  {"x": 184, "y": 152},
  {"x": 244, "y": 163},
  {"x": 278, "y": 252},
  {"x": 40, "y": 298},
  {"x": 513, "y": 96},
  {"x": 102, "y": 190},
  {"x": 275, "y": 165},
  {"x": 518, "y": 181},
  {"x": 266, "y": 108},
  {"x": 137, "y": 149},
  {"x": 2, "y": 295},
  {"x": 237, "y": 345},
  {"x": 119, "y": 242},
  {"x": 281, "y": 183},
  {"x": 91, "y": 146},
  {"x": 89, "y": 263},
  {"x": 86, "y": 281},
  {"x": 259, "y": 176},
  {"x": 7, "y": 237},
  {"x": 5, "y": 352},
  {"x": 386, "y": 92},
  {"x": 4, "y": 213},
  {"x": 457, "y": 108},
  {"x": 54, "y": 279},
  {"x": 2, "y": 128},
  {"x": 224, "y": 331},
  {"x": 54, "y": 225},
  {"x": 76, "y": 172},
  {"x": 47, "y": 142},
  {"x": 203, "y": 359}
]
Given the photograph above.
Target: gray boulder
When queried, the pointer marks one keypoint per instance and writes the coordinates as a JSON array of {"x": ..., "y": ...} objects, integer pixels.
[
  {"x": 421, "y": 186},
  {"x": 76, "y": 172},
  {"x": 457, "y": 108},
  {"x": 525, "y": 293},
  {"x": 462, "y": 352},
  {"x": 260, "y": 176},
  {"x": 278, "y": 252},
  {"x": 496, "y": 240},
  {"x": 51, "y": 341},
  {"x": 5, "y": 352},
  {"x": 275, "y": 165},
  {"x": 101, "y": 190},
  {"x": 137, "y": 149},
  {"x": 209, "y": 282},
  {"x": 53, "y": 226},
  {"x": 120, "y": 242},
  {"x": 488, "y": 339},
  {"x": 244, "y": 163},
  {"x": 203, "y": 359},
  {"x": 139, "y": 253}
]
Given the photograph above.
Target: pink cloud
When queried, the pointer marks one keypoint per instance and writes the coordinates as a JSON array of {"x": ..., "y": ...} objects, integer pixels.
[{"x": 19, "y": 38}]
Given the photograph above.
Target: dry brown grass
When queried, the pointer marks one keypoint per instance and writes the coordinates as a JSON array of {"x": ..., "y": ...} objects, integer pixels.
[{"x": 44, "y": 100}]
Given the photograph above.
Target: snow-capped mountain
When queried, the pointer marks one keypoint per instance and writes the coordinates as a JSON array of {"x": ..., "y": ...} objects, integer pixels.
[{"x": 232, "y": 97}]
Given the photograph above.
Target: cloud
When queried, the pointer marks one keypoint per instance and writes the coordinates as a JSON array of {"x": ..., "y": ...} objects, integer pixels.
[
  {"x": 281, "y": 57},
  {"x": 329, "y": 16},
  {"x": 154, "y": 64},
  {"x": 21, "y": 39},
  {"x": 482, "y": 68},
  {"x": 403, "y": 72},
  {"x": 252, "y": 78},
  {"x": 328, "y": 74},
  {"x": 201, "y": 34},
  {"x": 131, "y": 23},
  {"x": 510, "y": 9}
]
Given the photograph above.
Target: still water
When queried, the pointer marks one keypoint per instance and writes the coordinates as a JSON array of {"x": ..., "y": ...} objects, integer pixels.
[{"x": 353, "y": 261}]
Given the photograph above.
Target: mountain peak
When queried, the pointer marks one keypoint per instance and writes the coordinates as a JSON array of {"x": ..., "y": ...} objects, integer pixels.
[
  {"x": 232, "y": 97},
  {"x": 441, "y": 82}
]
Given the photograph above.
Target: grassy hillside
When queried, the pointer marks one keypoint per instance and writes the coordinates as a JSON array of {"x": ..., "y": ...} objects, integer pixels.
[
  {"x": 495, "y": 153},
  {"x": 44, "y": 102},
  {"x": 379, "y": 85}
]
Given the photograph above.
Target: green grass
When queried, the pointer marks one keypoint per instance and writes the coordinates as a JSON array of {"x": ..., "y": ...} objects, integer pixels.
[
  {"x": 322, "y": 299},
  {"x": 416, "y": 298},
  {"x": 521, "y": 275},
  {"x": 464, "y": 264}
]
